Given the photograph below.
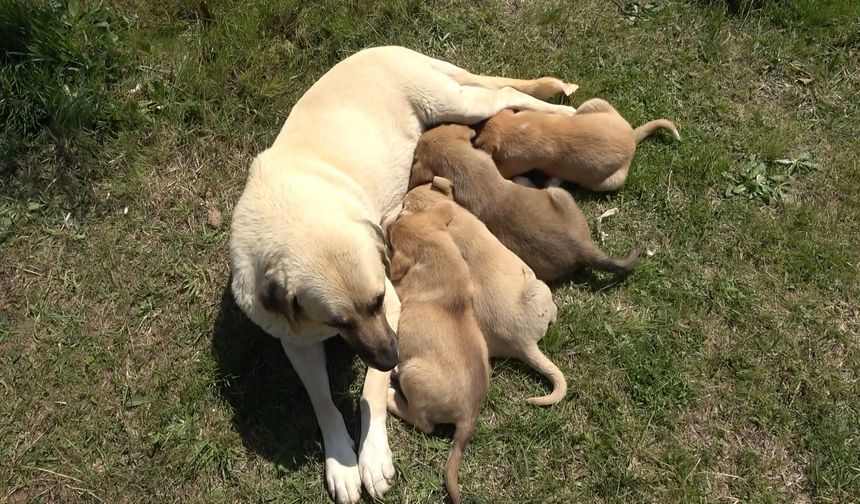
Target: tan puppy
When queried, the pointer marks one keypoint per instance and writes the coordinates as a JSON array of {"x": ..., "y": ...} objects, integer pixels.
[
  {"x": 544, "y": 227},
  {"x": 592, "y": 148},
  {"x": 512, "y": 306},
  {"x": 444, "y": 369}
]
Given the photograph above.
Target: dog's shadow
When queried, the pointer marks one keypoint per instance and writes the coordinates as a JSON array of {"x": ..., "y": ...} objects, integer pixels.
[{"x": 271, "y": 410}]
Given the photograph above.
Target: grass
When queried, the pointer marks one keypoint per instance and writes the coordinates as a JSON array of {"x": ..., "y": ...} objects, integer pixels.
[{"x": 724, "y": 369}]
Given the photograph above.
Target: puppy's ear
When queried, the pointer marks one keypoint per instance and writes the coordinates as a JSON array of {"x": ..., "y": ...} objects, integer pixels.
[
  {"x": 420, "y": 175},
  {"x": 442, "y": 212},
  {"x": 400, "y": 264},
  {"x": 444, "y": 186}
]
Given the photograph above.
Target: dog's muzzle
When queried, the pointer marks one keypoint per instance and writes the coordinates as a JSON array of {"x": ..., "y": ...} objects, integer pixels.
[{"x": 383, "y": 354}]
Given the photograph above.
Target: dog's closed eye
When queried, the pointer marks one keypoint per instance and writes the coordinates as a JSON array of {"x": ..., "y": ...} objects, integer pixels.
[
  {"x": 340, "y": 323},
  {"x": 378, "y": 302}
]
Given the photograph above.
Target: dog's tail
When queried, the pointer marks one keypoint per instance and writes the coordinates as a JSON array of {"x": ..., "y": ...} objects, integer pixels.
[
  {"x": 642, "y": 132},
  {"x": 541, "y": 363},
  {"x": 462, "y": 435},
  {"x": 615, "y": 266}
]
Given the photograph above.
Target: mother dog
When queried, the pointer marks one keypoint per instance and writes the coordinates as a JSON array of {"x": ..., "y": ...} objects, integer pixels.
[{"x": 306, "y": 250}]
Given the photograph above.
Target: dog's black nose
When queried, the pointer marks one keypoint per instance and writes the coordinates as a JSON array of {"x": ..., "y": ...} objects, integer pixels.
[{"x": 385, "y": 360}]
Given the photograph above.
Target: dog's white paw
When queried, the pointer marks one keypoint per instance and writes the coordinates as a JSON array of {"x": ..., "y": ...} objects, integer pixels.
[
  {"x": 342, "y": 476},
  {"x": 375, "y": 463}
]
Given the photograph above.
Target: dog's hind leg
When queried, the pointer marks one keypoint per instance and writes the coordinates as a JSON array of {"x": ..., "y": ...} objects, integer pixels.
[
  {"x": 341, "y": 466},
  {"x": 470, "y": 105},
  {"x": 542, "y": 88}
]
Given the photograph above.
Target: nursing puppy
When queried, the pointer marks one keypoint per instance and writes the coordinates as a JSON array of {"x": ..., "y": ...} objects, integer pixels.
[
  {"x": 306, "y": 252},
  {"x": 544, "y": 227},
  {"x": 444, "y": 370},
  {"x": 513, "y": 307},
  {"x": 592, "y": 148}
]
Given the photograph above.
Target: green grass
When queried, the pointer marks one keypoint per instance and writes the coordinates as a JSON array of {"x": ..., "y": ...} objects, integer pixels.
[{"x": 724, "y": 369}]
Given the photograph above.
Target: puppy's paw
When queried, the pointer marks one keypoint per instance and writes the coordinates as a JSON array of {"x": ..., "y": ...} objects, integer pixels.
[
  {"x": 390, "y": 403},
  {"x": 523, "y": 181},
  {"x": 375, "y": 463},
  {"x": 341, "y": 475}
]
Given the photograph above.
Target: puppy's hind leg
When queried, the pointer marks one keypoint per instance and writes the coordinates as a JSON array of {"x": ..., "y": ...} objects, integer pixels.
[
  {"x": 594, "y": 105},
  {"x": 399, "y": 407},
  {"x": 610, "y": 183}
]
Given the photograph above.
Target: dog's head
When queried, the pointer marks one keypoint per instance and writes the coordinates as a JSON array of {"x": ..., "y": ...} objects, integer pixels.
[{"x": 336, "y": 279}]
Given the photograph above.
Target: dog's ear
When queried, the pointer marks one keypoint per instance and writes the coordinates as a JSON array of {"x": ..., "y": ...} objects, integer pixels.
[
  {"x": 381, "y": 243},
  {"x": 273, "y": 295},
  {"x": 444, "y": 186}
]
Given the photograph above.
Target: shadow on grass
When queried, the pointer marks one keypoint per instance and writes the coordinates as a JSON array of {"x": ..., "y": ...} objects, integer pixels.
[{"x": 271, "y": 410}]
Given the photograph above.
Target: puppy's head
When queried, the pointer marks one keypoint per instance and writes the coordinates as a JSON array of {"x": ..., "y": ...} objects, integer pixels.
[
  {"x": 336, "y": 280},
  {"x": 415, "y": 235},
  {"x": 455, "y": 132},
  {"x": 425, "y": 196}
]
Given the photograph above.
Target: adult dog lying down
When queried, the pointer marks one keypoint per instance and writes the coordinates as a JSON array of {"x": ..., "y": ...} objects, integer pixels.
[{"x": 306, "y": 251}]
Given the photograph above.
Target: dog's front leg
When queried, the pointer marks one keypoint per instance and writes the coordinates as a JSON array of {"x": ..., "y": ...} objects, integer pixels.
[
  {"x": 374, "y": 456},
  {"x": 341, "y": 466}
]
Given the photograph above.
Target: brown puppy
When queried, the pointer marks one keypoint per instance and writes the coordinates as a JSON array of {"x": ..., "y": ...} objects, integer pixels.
[
  {"x": 592, "y": 148},
  {"x": 444, "y": 369},
  {"x": 544, "y": 227},
  {"x": 512, "y": 306}
]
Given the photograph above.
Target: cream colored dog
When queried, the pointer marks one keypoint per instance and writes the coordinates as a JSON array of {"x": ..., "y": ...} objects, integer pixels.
[
  {"x": 513, "y": 307},
  {"x": 306, "y": 251},
  {"x": 592, "y": 148}
]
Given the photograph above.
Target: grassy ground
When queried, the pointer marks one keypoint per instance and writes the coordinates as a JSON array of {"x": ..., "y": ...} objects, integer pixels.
[{"x": 724, "y": 369}]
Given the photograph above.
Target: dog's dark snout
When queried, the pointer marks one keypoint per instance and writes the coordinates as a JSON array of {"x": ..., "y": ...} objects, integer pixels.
[
  {"x": 386, "y": 361},
  {"x": 387, "y": 357},
  {"x": 383, "y": 354}
]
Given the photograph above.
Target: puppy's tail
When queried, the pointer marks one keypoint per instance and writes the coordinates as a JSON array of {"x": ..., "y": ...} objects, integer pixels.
[
  {"x": 642, "y": 132},
  {"x": 541, "y": 363},
  {"x": 615, "y": 266},
  {"x": 462, "y": 436}
]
